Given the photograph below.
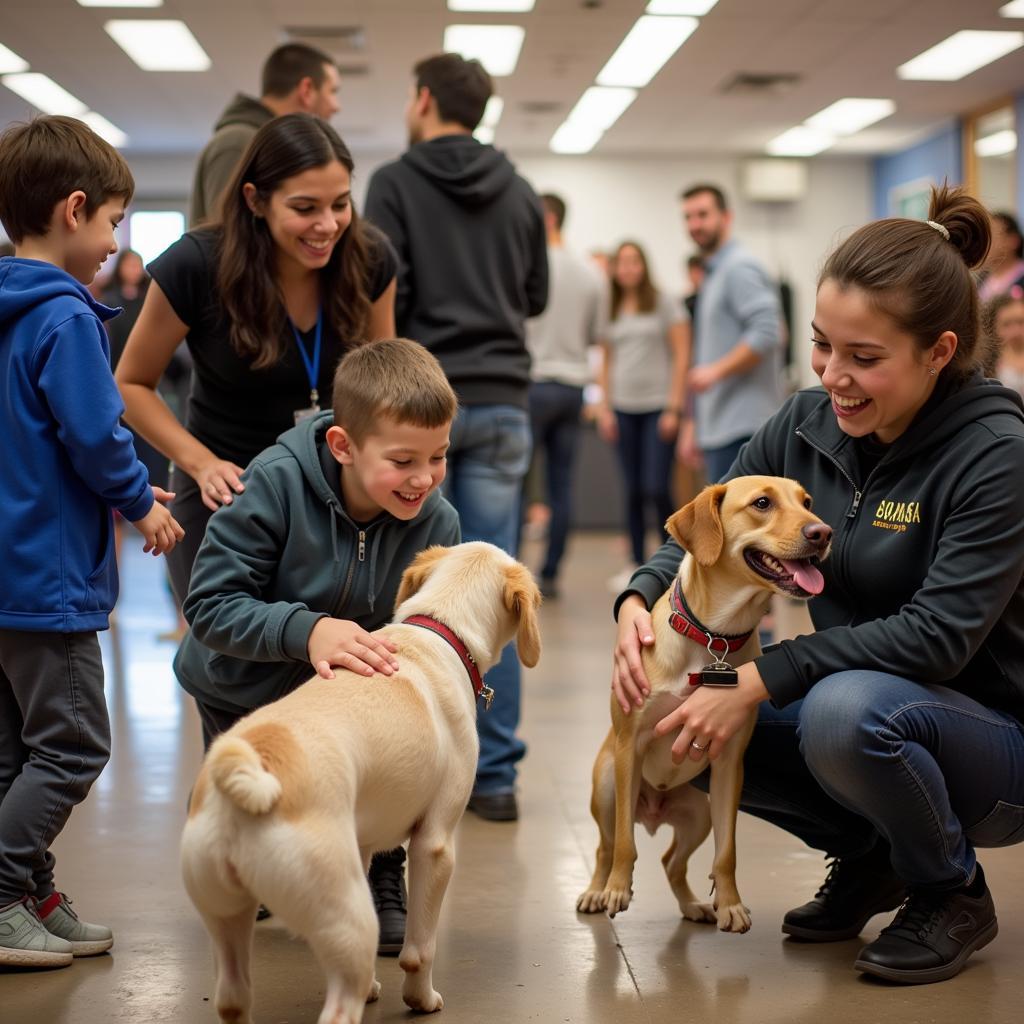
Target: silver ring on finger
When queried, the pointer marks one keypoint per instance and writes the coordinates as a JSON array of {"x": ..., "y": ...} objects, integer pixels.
[{"x": 697, "y": 746}]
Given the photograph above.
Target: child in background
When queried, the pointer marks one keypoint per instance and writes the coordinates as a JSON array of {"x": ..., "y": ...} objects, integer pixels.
[{"x": 67, "y": 463}]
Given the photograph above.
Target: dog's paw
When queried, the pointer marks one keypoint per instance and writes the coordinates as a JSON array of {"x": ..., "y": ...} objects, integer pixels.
[
  {"x": 734, "y": 918},
  {"x": 702, "y": 913},
  {"x": 429, "y": 1003},
  {"x": 591, "y": 902},
  {"x": 374, "y": 992},
  {"x": 616, "y": 900}
]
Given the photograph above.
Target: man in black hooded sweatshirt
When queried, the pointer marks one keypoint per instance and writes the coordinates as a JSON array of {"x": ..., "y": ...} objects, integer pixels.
[{"x": 470, "y": 238}]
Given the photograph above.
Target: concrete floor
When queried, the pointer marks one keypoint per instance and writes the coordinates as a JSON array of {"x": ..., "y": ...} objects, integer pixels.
[{"x": 512, "y": 948}]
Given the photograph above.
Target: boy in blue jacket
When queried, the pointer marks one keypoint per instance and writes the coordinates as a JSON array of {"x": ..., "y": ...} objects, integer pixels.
[
  {"x": 295, "y": 574},
  {"x": 67, "y": 462}
]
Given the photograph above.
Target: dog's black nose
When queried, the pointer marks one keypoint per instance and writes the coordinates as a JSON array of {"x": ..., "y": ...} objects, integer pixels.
[{"x": 819, "y": 534}]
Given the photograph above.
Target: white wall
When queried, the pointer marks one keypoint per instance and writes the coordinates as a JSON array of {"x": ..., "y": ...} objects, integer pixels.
[{"x": 613, "y": 199}]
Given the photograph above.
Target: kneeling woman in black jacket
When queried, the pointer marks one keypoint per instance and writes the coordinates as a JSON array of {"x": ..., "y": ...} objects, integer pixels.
[{"x": 890, "y": 738}]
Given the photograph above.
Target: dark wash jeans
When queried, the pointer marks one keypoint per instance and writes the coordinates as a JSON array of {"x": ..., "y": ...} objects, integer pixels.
[
  {"x": 867, "y": 754},
  {"x": 555, "y": 421}
]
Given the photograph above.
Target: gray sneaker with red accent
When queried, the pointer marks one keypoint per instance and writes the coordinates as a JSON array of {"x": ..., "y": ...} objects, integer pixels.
[
  {"x": 59, "y": 919},
  {"x": 24, "y": 942}
]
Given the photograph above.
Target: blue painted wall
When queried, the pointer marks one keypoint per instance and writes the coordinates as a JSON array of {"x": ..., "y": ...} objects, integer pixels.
[{"x": 937, "y": 158}]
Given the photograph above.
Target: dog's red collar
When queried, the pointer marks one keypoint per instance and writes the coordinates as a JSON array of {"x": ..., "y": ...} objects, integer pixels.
[
  {"x": 435, "y": 626},
  {"x": 683, "y": 621}
]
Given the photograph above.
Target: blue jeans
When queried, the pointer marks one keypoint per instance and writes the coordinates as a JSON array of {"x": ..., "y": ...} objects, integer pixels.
[
  {"x": 487, "y": 461},
  {"x": 646, "y": 462},
  {"x": 718, "y": 461},
  {"x": 867, "y": 755},
  {"x": 555, "y": 421}
]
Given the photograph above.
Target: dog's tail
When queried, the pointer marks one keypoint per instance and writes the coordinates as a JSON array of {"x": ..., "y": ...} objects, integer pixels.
[{"x": 239, "y": 772}]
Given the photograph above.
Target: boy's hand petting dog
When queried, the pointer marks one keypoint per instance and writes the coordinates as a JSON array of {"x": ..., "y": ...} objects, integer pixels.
[
  {"x": 342, "y": 643},
  {"x": 159, "y": 528}
]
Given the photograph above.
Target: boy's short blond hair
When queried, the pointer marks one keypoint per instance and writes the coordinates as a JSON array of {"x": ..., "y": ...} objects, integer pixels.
[
  {"x": 44, "y": 161},
  {"x": 394, "y": 378}
]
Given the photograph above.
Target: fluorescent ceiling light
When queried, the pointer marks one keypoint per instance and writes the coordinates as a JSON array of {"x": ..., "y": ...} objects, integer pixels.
[
  {"x": 844, "y": 117},
  {"x": 956, "y": 57},
  {"x": 695, "y": 7},
  {"x": 997, "y": 144},
  {"x": 10, "y": 62},
  {"x": 44, "y": 94},
  {"x": 104, "y": 129},
  {"x": 120, "y": 3},
  {"x": 1013, "y": 10},
  {"x": 495, "y": 46},
  {"x": 159, "y": 44},
  {"x": 492, "y": 6},
  {"x": 645, "y": 50},
  {"x": 575, "y": 138},
  {"x": 800, "y": 141},
  {"x": 601, "y": 106},
  {"x": 492, "y": 112}
]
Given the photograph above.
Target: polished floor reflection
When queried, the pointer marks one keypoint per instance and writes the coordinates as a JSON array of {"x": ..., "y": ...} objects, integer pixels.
[{"x": 512, "y": 948}]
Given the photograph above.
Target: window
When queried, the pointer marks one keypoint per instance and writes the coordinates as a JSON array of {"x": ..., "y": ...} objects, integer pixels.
[{"x": 152, "y": 231}]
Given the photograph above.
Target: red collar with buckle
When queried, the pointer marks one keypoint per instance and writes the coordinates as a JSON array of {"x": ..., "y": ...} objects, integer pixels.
[
  {"x": 460, "y": 649},
  {"x": 684, "y": 622}
]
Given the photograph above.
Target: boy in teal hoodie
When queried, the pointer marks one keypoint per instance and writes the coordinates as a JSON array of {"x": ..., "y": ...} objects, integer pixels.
[
  {"x": 298, "y": 571},
  {"x": 67, "y": 463}
]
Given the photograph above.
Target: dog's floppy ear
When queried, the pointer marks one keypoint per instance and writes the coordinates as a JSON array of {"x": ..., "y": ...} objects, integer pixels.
[
  {"x": 416, "y": 575},
  {"x": 698, "y": 526},
  {"x": 522, "y": 598}
]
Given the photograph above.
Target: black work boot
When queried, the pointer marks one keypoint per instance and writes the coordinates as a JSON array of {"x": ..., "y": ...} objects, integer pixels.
[
  {"x": 855, "y": 889},
  {"x": 387, "y": 884},
  {"x": 933, "y": 934}
]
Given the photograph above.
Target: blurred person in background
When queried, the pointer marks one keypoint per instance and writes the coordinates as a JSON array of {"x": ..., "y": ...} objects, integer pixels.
[
  {"x": 643, "y": 381},
  {"x": 1003, "y": 273},
  {"x": 1003, "y": 322}
]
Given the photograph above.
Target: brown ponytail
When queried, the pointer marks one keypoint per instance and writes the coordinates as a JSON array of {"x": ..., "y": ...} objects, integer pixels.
[{"x": 918, "y": 278}]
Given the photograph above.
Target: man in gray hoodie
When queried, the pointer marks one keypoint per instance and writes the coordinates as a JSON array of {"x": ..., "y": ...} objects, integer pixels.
[{"x": 296, "y": 78}]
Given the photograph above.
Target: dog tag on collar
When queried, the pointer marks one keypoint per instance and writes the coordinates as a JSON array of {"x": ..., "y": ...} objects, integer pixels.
[
  {"x": 488, "y": 695},
  {"x": 719, "y": 674}
]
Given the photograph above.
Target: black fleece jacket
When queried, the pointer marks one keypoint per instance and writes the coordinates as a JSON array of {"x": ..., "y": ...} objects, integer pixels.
[
  {"x": 925, "y": 575},
  {"x": 472, "y": 253}
]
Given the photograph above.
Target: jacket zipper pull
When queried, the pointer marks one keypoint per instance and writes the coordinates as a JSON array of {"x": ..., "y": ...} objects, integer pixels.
[
  {"x": 362, "y": 545},
  {"x": 856, "y": 504}
]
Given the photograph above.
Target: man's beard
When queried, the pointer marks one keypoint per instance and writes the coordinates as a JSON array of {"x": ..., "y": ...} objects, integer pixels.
[{"x": 712, "y": 243}]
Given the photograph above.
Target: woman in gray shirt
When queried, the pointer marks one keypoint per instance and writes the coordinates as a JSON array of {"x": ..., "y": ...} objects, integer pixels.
[{"x": 642, "y": 378}]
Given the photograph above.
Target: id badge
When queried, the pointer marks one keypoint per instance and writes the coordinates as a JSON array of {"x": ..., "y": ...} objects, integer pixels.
[{"x": 304, "y": 414}]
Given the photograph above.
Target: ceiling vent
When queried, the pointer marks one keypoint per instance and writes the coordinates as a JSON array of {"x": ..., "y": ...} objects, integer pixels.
[
  {"x": 760, "y": 83},
  {"x": 336, "y": 40},
  {"x": 540, "y": 108}
]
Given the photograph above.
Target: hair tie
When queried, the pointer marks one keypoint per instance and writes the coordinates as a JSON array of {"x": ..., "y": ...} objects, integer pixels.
[{"x": 941, "y": 228}]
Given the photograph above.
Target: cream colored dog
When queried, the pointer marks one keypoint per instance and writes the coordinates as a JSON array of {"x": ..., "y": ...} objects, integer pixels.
[
  {"x": 745, "y": 541},
  {"x": 292, "y": 802}
]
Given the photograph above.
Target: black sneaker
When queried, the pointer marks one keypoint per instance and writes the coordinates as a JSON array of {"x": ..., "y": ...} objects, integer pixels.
[
  {"x": 933, "y": 935},
  {"x": 494, "y": 806},
  {"x": 855, "y": 889},
  {"x": 387, "y": 884}
]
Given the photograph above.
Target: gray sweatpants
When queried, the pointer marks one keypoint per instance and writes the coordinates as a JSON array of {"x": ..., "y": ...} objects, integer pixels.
[{"x": 54, "y": 742}]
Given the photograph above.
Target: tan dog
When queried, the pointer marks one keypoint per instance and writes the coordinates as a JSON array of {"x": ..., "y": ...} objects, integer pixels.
[
  {"x": 746, "y": 540},
  {"x": 292, "y": 802}
]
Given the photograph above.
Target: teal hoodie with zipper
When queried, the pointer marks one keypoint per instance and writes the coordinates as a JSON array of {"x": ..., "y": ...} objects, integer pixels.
[
  {"x": 282, "y": 556},
  {"x": 924, "y": 579}
]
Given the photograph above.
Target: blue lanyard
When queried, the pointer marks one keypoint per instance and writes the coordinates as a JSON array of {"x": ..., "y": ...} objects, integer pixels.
[{"x": 312, "y": 365}]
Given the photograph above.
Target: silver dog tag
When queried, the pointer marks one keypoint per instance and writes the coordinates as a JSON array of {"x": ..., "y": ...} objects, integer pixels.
[{"x": 488, "y": 695}]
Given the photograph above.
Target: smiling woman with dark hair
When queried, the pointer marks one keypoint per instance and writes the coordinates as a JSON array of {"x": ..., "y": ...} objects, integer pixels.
[
  {"x": 891, "y": 738},
  {"x": 268, "y": 301}
]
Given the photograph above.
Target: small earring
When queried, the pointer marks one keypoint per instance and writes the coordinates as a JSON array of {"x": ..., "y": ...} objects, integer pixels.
[{"x": 931, "y": 370}]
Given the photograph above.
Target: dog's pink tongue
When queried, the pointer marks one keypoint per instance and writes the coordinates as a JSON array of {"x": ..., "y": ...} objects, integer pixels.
[{"x": 806, "y": 576}]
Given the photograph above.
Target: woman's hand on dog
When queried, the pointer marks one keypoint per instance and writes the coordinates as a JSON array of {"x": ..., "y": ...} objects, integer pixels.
[
  {"x": 340, "y": 643},
  {"x": 629, "y": 681},
  {"x": 711, "y": 716}
]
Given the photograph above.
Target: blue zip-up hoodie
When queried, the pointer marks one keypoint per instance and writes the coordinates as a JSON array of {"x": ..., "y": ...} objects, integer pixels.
[{"x": 67, "y": 460}]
